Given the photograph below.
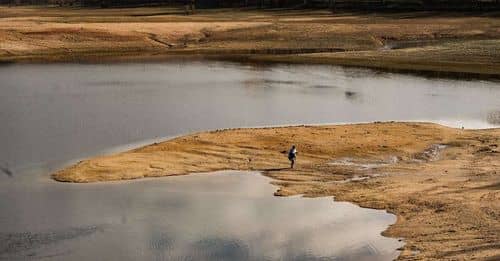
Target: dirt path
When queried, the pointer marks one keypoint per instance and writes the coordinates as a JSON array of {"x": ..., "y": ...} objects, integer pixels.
[
  {"x": 426, "y": 42},
  {"x": 442, "y": 183}
]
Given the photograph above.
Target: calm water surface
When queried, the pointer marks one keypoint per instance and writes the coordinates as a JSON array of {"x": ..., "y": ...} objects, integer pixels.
[
  {"x": 52, "y": 115},
  {"x": 223, "y": 216},
  {"x": 56, "y": 112}
]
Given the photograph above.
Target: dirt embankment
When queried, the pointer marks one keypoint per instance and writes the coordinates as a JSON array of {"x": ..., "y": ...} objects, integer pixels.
[
  {"x": 427, "y": 42},
  {"x": 442, "y": 183}
]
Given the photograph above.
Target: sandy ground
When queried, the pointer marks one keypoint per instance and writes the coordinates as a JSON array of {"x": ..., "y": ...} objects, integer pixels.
[
  {"x": 426, "y": 42},
  {"x": 442, "y": 183}
]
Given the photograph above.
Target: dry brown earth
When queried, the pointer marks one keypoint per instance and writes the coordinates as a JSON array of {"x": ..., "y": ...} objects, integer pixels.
[
  {"x": 450, "y": 43},
  {"x": 442, "y": 183}
]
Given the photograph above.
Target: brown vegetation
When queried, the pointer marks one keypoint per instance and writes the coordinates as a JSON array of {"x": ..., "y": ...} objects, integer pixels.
[
  {"x": 442, "y": 183},
  {"x": 420, "y": 41}
]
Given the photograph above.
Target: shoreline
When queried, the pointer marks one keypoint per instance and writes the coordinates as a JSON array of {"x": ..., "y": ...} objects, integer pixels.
[
  {"x": 242, "y": 59},
  {"x": 431, "y": 44},
  {"x": 257, "y": 60},
  {"x": 409, "y": 176},
  {"x": 430, "y": 71}
]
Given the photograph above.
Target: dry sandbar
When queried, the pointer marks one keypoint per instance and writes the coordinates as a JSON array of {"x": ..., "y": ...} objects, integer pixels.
[{"x": 442, "y": 183}]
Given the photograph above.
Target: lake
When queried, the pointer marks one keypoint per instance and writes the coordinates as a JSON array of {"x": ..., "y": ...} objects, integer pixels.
[
  {"x": 222, "y": 216},
  {"x": 53, "y": 115}
]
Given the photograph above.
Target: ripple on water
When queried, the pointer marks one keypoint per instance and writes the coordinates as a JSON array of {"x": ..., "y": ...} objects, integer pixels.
[{"x": 27, "y": 243}]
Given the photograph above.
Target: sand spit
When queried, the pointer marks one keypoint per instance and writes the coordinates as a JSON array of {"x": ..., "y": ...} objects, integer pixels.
[{"x": 442, "y": 183}]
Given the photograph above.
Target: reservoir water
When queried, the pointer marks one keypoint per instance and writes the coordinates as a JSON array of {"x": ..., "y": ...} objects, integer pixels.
[
  {"x": 222, "y": 216},
  {"x": 53, "y": 115}
]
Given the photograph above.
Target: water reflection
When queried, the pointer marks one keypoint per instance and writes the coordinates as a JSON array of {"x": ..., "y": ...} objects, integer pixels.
[
  {"x": 5, "y": 170},
  {"x": 223, "y": 216},
  {"x": 323, "y": 86},
  {"x": 13, "y": 244},
  {"x": 493, "y": 118},
  {"x": 352, "y": 96},
  {"x": 63, "y": 112}
]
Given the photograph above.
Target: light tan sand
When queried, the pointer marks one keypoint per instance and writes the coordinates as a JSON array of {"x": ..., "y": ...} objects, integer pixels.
[
  {"x": 425, "y": 42},
  {"x": 442, "y": 183}
]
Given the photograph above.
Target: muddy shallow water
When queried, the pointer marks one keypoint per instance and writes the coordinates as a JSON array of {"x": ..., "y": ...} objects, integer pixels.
[{"x": 55, "y": 114}]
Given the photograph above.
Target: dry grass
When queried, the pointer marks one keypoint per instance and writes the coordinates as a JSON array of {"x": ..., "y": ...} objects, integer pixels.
[
  {"x": 447, "y": 202},
  {"x": 409, "y": 41}
]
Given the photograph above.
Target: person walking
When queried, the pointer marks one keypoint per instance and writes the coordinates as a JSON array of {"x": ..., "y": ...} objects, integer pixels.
[{"x": 292, "y": 155}]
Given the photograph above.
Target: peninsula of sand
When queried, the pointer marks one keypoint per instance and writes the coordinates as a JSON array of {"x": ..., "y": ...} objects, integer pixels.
[
  {"x": 442, "y": 183},
  {"x": 434, "y": 43}
]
